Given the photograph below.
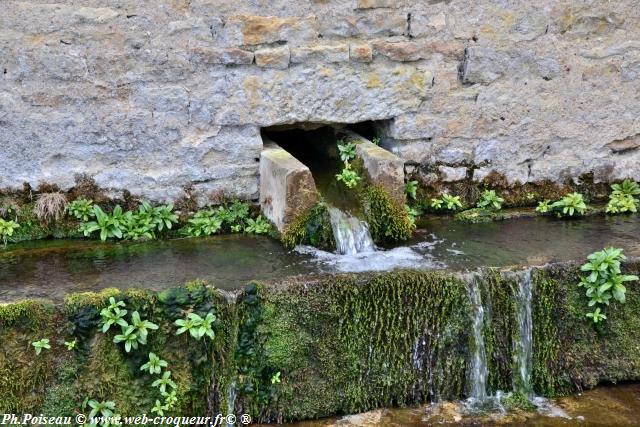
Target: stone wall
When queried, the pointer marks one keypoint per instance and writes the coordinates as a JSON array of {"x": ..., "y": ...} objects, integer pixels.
[{"x": 156, "y": 96}]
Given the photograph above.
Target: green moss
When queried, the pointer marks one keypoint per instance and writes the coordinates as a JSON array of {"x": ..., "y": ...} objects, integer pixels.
[
  {"x": 312, "y": 228},
  {"x": 477, "y": 215},
  {"x": 500, "y": 329},
  {"x": 569, "y": 354},
  {"x": 25, "y": 376},
  {"x": 387, "y": 220},
  {"x": 546, "y": 342},
  {"x": 343, "y": 344},
  {"x": 518, "y": 401}
]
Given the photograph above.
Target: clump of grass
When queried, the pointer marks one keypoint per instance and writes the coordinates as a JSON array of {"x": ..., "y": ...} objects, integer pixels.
[{"x": 49, "y": 207}]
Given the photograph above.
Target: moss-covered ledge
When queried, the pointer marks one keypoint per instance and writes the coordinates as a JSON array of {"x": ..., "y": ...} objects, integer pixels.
[{"x": 310, "y": 347}]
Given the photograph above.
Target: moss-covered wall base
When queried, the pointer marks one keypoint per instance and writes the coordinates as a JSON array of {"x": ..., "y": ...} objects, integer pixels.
[{"x": 314, "y": 347}]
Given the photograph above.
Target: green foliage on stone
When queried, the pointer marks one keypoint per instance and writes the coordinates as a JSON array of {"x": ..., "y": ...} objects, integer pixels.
[
  {"x": 40, "y": 345},
  {"x": 489, "y": 200},
  {"x": 446, "y": 202},
  {"x": 347, "y": 150},
  {"x": 7, "y": 228},
  {"x": 81, "y": 209},
  {"x": 623, "y": 197},
  {"x": 410, "y": 188},
  {"x": 604, "y": 281},
  {"x": 348, "y": 176},
  {"x": 310, "y": 228},
  {"x": 572, "y": 204},
  {"x": 57, "y": 382},
  {"x": 146, "y": 222},
  {"x": 229, "y": 218},
  {"x": 388, "y": 221}
]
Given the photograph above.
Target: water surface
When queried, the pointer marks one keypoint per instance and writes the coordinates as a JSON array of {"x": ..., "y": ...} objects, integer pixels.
[
  {"x": 55, "y": 267},
  {"x": 605, "y": 406}
]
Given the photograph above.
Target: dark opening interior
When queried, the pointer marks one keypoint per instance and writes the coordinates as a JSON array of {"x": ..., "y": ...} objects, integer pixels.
[{"x": 315, "y": 145}]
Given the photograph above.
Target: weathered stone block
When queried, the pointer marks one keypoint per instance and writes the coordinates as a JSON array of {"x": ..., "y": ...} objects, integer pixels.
[
  {"x": 287, "y": 188},
  {"x": 417, "y": 126},
  {"x": 372, "y": 4},
  {"x": 400, "y": 51},
  {"x": 373, "y": 23},
  {"x": 361, "y": 52},
  {"x": 277, "y": 57},
  {"x": 320, "y": 53},
  {"x": 384, "y": 168},
  {"x": 225, "y": 56},
  {"x": 253, "y": 29},
  {"x": 450, "y": 174},
  {"x": 483, "y": 65},
  {"x": 426, "y": 24}
]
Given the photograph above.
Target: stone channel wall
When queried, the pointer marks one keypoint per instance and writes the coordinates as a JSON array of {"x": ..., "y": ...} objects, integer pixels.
[
  {"x": 338, "y": 344},
  {"x": 158, "y": 96}
]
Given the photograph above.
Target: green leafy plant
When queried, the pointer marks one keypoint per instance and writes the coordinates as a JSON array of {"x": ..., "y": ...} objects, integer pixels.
[
  {"x": 154, "y": 365},
  {"x": 623, "y": 197},
  {"x": 159, "y": 408},
  {"x": 81, "y": 209},
  {"x": 275, "y": 378},
  {"x": 544, "y": 206},
  {"x": 204, "y": 223},
  {"x": 490, "y": 200},
  {"x": 604, "y": 280},
  {"x": 619, "y": 203},
  {"x": 129, "y": 337},
  {"x": 163, "y": 382},
  {"x": 41, "y": 344},
  {"x": 103, "y": 409},
  {"x": 348, "y": 176},
  {"x": 170, "y": 399},
  {"x": 376, "y": 140},
  {"x": 142, "y": 327},
  {"x": 596, "y": 316},
  {"x": 570, "y": 205},
  {"x": 113, "y": 315},
  {"x": 626, "y": 188},
  {"x": 258, "y": 226},
  {"x": 446, "y": 202},
  {"x": 197, "y": 326},
  {"x": 109, "y": 225},
  {"x": 410, "y": 188},
  {"x": 412, "y": 214},
  {"x": 347, "y": 150},
  {"x": 71, "y": 345},
  {"x": 7, "y": 228}
]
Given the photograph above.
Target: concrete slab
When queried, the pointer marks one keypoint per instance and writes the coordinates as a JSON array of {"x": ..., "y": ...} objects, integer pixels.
[
  {"x": 287, "y": 188},
  {"x": 383, "y": 167}
]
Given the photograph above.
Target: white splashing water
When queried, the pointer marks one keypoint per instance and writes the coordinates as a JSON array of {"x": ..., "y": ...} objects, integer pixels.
[
  {"x": 351, "y": 234},
  {"x": 478, "y": 372},
  {"x": 524, "y": 346}
]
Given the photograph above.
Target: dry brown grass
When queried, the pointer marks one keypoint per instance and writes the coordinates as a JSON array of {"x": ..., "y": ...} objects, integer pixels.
[{"x": 49, "y": 207}]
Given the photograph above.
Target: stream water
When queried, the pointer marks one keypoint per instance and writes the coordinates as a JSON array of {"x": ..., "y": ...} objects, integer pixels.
[
  {"x": 478, "y": 366},
  {"x": 53, "y": 268},
  {"x": 605, "y": 406},
  {"x": 351, "y": 234}
]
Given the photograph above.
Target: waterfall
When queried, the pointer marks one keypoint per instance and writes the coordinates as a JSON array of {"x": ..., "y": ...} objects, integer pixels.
[
  {"x": 351, "y": 234},
  {"x": 523, "y": 353},
  {"x": 478, "y": 371},
  {"x": 231, "y": 402}
]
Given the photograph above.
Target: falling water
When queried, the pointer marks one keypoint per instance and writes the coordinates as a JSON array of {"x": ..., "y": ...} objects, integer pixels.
[
  {"x": 523, "y": 353},
  {"x": 478, "y": 372},
  {"x": 351, "y": 234},
  {"x": 231, "y": 402}
]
